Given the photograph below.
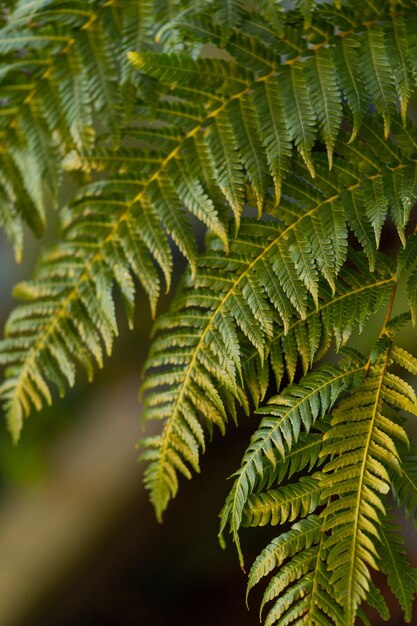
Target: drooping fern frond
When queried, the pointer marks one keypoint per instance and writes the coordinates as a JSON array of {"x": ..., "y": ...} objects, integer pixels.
[
  {"x": 296, "y": 409},
  {"x": 219, "y": 145},
  {"x": 361, "y": 443},
  {"x": 402, "y": 578},
  {"x": 328, "y": 47},
  {"x": 177, "y": 119},
  {"x": 300, "y": 589},
  {"x": 198, "y": 372},
  {"x": 362, "y": 448},
  {"x": 405, "y": 484},
  {"x": 287, "y": 503}
]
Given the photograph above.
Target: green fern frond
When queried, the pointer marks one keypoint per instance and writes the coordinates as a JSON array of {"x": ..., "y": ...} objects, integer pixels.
[
  {"x": 381, "y": 34},
  {"x": 408, "y": 255},
  {"x": 175, "y": 119},
  {"x": 287, "y": 503},
  {"x": 302, "y": 536},
  {"x": 359, "y": 294},
  {"x": 326, "y": 579},
  {"x": 70, "y": 315},
  {"x": 377, "y": 72},
  {"x": 301, "y": 583},
  {"x": 402, "y": 578},
  {"x": 376, "y": 600},
  {"x": 67, "y": 75},
  {"x": 296, "y": 409},
  {"x": 323, "y": 81},
  {"x": 237, "y": 292},
  {"x": 203, "y": 330},
  {"x": 361, "y": 447},
  {"x": 405, "y": 484}
]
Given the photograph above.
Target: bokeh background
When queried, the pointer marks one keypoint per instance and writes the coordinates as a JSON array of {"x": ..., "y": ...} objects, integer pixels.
[{"x": 79, "y": 543}]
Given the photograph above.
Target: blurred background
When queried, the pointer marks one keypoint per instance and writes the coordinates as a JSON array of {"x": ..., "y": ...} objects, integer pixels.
[{"x": 79, "y": 543}]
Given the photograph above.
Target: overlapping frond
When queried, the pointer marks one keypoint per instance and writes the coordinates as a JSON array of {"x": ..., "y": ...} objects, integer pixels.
[
  {"x": 361, "y": 444},
  {"x": 405, "y": 484},
  {"x": 235, "y": 305},
  {"x": 287, "y": 503},
  {"x": 157, "y": 142},
  {"x": 327, "y": 50},
  {"x": 210, "y": 140},
  {"x": 325, "y": 578},
  {"x": 59, "y": 69},
  {"x": 295, "y": 410},
  {"x": 402, "y": 578},
  {"x": 300, "y": 587},
  {"x": 359, "y": 294}
]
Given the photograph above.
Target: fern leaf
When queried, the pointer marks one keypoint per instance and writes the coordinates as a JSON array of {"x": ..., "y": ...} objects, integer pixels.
[
  {"x": 99, "y": 59},
  {"x": 405, "y": 484},
  {"x": 300, "y": 587},
  {"x": 377, "y": 73},
  {"x": 257, "y": 272},
  {"x": 360, "y": 443},
  {"x": 354, "y": 206},
  {"x": 336, "y": 316},
  {"x": 302, "y": 536},
  {"x": 404, "y": 359},
  {"x": 303, "y": 454},
  {"x": 398, "y": 52},
  {"x": 346, "y": 59},
  {"x": 245, "y": 122},
  {"x": 226, "y": 161},
  {"x": 297, "y": 408},
  {"x": 377, "y": 205},
  {"x": 287, "y": 503},
  {"x": 300, "y": 112},
  {"x": 408, "y": 255},
  {"x": 377, "y": 601},
  {"x": 273, "y": 130},
  {"x": 325, "y": 98},
  {"x": 230, "y": 15},
  {"x": 394, "y": 563},
  {"x": 12, "y": 225},
  {"x": 182, "y": 69}
]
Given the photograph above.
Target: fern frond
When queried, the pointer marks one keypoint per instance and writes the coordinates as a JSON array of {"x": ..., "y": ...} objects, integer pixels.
[
  {"x": 377, "y": 73},
  {"x": 402, "y": 578},
  {"x": 301, "y": 583},
  {"x": 287, "y": 503},
  {"x": 205, "y": 135},
  {"x": 246, "y": 290},
  {"x": 359, "y": 294},
  {"x": 408, "y": 255},
  {"x": 324, "y": 94},
  {"x": 361, "y": 446},
  {"x": 296, "y": 409},
  {"x": 405, "y": 484},
  {"x": 225, "y": 295},
  {"x": 302, "y": 536},
  {"x": 347, "y": 61},
  {"x": 399, "y": 56},
  {"x": 300, "y": 113},
  {"x": 377, "y": 601},
  {"x": 181, "y": 69}
]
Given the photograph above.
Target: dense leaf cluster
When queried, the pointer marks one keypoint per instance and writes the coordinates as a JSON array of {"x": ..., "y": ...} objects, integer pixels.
[{"x": 282, "y": 129}]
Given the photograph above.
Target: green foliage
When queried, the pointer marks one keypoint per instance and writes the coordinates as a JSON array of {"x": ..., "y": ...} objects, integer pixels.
[{"x": 282, "y": 131}]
